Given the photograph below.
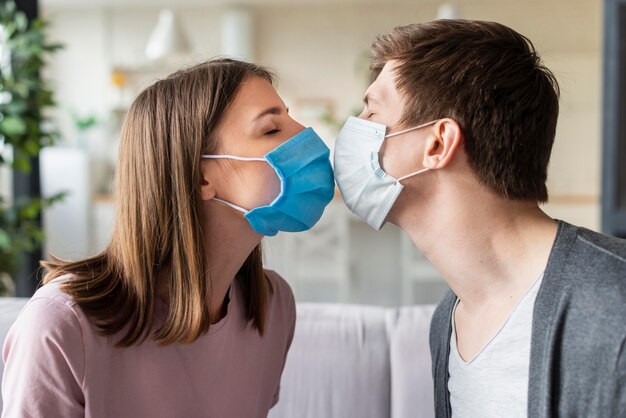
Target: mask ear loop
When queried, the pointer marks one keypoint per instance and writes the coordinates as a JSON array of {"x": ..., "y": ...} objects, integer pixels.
[
  {"x": 409, "y": 130},
  {"x": 413, "y": 174},
  {"x": 231, "y": 205},
  {"x": 231, "y": 157}
]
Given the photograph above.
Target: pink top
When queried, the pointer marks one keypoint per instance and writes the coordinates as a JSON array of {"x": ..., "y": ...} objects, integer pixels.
[{"x": 58, "y": 365}]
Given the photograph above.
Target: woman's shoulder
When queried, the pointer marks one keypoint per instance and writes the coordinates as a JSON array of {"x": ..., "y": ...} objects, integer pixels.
[
  {"x": 280, "y": 292},
  {"x": 279, "y": 285},
  {"x": 282, "y": 305},
  {"x": 47, "y": 335},
  {"x": 53, "y": 291},
  {"x": 49, "y": 316},
  {"x": 51, "y": 310}
]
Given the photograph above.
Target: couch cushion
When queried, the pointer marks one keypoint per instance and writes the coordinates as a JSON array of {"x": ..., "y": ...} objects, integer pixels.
[
  {"x": 338, "y": 365},
  {"x": 411, "y": 375}
]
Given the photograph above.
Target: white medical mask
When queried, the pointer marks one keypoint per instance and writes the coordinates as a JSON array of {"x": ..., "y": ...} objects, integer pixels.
[{"x": 366, "y": 188}]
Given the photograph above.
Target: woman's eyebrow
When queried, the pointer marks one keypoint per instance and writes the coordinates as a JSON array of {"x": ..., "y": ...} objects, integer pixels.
[{"x": 271, "y": 111}]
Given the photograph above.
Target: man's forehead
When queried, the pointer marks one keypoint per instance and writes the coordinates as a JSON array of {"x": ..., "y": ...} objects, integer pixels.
[
  {"x": 390, "y": 66},
  {"x": 384, "y": 85}
]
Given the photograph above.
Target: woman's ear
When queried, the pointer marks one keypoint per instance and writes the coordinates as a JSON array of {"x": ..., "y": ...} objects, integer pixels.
[
  {"x": 207, "y": 188},
  {"x": 442, "y": 146}
]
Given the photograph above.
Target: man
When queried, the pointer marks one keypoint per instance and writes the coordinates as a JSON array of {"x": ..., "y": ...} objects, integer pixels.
[{"x": 453, "y": 147}]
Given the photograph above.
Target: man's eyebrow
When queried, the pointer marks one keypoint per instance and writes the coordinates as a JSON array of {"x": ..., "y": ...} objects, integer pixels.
[
  {"x": 369, "y": 98},
  {"x": 271, "y": 111}
]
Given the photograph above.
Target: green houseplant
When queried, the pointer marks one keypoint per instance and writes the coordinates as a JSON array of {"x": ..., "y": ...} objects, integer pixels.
[{"x": 25, "y": 98}]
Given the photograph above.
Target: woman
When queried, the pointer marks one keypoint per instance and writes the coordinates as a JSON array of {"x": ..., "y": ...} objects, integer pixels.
[{"x": 177, "y": 318}]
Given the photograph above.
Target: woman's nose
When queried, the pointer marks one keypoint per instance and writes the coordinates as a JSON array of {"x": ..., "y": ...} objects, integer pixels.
[{"x": 295, "y": 127}]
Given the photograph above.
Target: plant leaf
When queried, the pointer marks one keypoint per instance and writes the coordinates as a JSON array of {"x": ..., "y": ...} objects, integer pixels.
[{"x": 12, "y": 126}]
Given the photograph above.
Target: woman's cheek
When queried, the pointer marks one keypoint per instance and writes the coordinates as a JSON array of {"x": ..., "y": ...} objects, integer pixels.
[
  {"x": 270, "y": 187},
  {"x": 262, "y": 186}
]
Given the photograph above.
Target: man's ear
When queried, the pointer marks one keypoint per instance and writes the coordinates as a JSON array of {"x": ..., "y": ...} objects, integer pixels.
[{"x": 442, "y": 146}]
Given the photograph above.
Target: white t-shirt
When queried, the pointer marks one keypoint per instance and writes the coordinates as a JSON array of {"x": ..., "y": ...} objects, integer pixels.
[{"x": 495, "y": 382}]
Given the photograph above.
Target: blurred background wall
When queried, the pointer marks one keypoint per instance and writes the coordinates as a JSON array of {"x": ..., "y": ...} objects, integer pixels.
[{"x": 320, "y": 51}]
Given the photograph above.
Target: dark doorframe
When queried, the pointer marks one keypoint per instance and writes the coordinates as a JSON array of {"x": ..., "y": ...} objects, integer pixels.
[
  {"x": 614, "y": 119},
  {"x": 28, "y": 277}
]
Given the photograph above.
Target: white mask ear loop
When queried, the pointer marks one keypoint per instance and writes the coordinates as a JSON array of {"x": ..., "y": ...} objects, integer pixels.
[
  {"x": 239, "y": 208},
  {"x": 413, "y": 174},
  {"x": 232, "y": 157},
  {"x": 409, "y": 130}
]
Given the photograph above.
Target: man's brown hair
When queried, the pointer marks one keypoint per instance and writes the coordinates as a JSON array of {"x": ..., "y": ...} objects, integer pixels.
[{"x": 489, "y": 79}]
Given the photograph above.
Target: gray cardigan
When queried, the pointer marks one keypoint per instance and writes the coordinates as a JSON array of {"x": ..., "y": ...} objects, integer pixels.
[{"x": 578, "y": 353}]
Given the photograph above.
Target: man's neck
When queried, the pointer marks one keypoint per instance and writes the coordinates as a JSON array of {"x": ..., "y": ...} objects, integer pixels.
[{"x": 489, "y": 250}]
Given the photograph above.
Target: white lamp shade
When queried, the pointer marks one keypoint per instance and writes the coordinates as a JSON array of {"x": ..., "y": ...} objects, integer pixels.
[
  {"x": 236, "y": 40},
  {"x": 448, "y": 11},
  {"x": 166, "y": 37}
]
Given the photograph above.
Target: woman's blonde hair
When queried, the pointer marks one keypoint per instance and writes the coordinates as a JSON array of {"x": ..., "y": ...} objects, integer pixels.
[{"x": 158, "y": 226}]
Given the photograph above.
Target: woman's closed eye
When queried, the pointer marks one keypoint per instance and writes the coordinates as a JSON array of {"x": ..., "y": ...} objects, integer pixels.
[{"x": 272, "y": 132}]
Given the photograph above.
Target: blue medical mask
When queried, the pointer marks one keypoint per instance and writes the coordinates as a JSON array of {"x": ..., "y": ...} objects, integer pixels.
[{"x": 307, "y": 185}]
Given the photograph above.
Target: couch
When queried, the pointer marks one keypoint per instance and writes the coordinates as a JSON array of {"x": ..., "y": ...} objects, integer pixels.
[{"x": 346, "y": 361}]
